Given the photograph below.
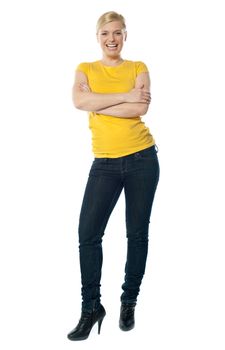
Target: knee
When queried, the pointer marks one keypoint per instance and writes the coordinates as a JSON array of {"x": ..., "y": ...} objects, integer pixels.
[
  {"x": 88, "y": 237},
  {"x": 89, "y": 240},
  {"x": 87, "y": 233},
  {"x": 138, "y": 236}
]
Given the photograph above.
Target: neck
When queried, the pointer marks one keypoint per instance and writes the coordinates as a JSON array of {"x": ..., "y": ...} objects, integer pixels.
[{"x": 111, "y": 61}]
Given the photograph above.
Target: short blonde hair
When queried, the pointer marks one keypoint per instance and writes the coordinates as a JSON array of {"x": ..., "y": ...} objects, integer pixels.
[{"x": 110, "y": 17}]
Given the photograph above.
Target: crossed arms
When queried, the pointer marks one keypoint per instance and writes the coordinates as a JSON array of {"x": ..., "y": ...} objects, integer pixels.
[{"x": 124, "y": 105}]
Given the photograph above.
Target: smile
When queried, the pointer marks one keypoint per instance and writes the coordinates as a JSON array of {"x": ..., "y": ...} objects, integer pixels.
[{"x": 111, "y": 46}]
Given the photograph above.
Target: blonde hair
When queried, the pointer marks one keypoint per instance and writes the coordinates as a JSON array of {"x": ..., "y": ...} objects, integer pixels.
[{"x": 110, "y": 17}]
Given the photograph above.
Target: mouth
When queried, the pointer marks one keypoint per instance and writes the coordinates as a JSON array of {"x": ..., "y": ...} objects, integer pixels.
[{"x": 112, "y": 46}]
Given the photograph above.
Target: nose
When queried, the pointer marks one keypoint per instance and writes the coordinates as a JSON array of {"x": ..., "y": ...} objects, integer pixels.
[{"x": 111, "y": 36}]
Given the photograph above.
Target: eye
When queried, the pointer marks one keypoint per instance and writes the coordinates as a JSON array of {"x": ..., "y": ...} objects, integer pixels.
[
  {"x": 103, "y": 33},
  {"x": 118, "y": 33}
]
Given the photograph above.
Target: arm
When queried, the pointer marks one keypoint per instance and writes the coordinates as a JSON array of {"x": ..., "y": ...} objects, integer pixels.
[
  {"x": 125, "y": 110},
  {"x": 86, "y": 100},
  {"x": 131, "y": 110}
]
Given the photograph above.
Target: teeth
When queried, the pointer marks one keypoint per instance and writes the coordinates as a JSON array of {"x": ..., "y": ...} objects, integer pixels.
[{"x": 111, "y": 45}]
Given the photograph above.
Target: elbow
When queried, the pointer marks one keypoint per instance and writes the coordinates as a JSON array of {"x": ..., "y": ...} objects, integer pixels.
[
  {"x": 143, "y": 109},
  {"x": 81, "y": 102},
  {"x": 77, "y": 102}
]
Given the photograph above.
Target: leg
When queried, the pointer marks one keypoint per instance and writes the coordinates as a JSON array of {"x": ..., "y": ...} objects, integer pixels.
[
  {"x": 140, "y": 186},
  {"x": 101, "y": 194}
]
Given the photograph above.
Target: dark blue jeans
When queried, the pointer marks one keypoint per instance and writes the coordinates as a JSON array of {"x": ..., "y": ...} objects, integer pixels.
[{"x": 138, "y": 175}]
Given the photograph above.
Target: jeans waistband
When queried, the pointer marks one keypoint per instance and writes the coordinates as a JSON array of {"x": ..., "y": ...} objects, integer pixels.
[{"x": 153, "y": 148}]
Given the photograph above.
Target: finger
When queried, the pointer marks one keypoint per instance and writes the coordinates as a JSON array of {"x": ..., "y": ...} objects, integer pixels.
[
  {"x": 84, "y": 87},
  {"x": 146, "y": 91}
]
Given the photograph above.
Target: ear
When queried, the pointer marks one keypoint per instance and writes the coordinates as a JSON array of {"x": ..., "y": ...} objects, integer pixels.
[
  {"x": 125, "y": 36},
  {"x": 97, "y": 37}
]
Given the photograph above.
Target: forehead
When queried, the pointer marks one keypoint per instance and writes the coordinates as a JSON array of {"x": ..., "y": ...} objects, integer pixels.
[{"x": 115, "y": 25}]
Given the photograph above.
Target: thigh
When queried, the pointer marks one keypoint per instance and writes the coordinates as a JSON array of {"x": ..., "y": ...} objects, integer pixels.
[
  {"x": 101, "y": 194},
  {"x": 140, "y": 186}
]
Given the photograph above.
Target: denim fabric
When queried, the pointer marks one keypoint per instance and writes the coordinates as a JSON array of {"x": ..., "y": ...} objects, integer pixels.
[{"x": 138, "y": 175}]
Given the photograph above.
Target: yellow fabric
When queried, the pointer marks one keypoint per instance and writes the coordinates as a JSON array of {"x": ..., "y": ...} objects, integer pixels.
[{"x": 114, "y": 137}]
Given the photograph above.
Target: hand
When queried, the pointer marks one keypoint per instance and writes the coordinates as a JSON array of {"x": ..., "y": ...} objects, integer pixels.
[
  {"x": 84, "y": 87},
  {"x": 138, "y": 95}
]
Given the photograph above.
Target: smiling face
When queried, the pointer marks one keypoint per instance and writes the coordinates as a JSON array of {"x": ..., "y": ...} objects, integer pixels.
[{"x": 111, "y": 37}]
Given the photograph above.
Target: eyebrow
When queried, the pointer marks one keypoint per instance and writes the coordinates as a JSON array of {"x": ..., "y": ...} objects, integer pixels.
[{"x": 106, "y": 31}]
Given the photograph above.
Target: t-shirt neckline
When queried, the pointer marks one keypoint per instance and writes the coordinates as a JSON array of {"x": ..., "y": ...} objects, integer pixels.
[{"x": 106, "y": 66}]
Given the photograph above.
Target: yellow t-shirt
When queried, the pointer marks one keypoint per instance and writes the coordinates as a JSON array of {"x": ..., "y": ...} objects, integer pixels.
[{"x": 114, "y": 137}]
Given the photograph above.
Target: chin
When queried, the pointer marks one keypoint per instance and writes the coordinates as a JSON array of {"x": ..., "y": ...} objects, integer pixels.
[{"x": 112, "y": 54}]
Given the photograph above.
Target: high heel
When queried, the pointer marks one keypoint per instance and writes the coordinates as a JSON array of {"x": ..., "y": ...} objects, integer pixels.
[
  {"x": 86, "y": 322},
  {"x": 100, "y": 324}
]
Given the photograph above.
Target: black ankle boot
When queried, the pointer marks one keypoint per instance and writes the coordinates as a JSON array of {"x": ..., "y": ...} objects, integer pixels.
[
  {"x": 87, "y": 321},
  {"x": 126, "y": 322}
]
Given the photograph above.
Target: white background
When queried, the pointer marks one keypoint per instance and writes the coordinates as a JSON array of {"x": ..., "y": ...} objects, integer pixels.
[{"x": 45, "y": 147}]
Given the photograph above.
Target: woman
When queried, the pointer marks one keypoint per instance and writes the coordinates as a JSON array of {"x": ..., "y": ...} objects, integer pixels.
[{"x": 115, "y": 92}]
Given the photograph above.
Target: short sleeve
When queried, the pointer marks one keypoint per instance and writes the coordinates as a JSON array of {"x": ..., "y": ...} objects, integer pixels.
[
  {"x": 83, "y": 67},
  {"x": 141, "y": 67}
]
